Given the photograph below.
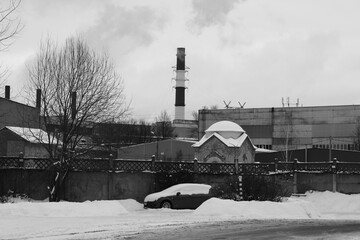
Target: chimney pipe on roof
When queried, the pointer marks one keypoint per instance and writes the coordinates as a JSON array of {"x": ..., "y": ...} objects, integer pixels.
[
  {"x": 7, "y": 92},
  {"x": 38, "y": 98}
]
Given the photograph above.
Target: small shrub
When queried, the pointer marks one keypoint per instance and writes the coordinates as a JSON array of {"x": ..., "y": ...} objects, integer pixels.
[
  {"x": 263, "y": 188},
  {"x": 226, "y": 190},
  {"x": 11, "y": 197},
  {"x": 259, "y": 188}
]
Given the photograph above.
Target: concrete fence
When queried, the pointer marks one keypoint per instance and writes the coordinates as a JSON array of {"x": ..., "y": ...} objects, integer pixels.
[{"x": 108, "y": 179}]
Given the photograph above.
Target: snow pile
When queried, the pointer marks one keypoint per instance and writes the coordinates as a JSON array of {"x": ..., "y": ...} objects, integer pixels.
[
  {"x": 314, "y": 205},
  {"x": 291, "y": 209},
  {"x": 69, "y": 209},
  {"x": 336, "y": 205},
  {"x": 131, "y": 205},
  {"x": 112, "y": 219}
]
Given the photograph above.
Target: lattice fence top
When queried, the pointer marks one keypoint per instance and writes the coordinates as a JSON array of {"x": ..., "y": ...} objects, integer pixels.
[
  {"x": 257, "y": 168},
  {"x": 348, "y": 168},
  {"x": 9, "y": 162},
  {"x": 172, "y": 167},
  {"x": 217, "y": 168},
  {"x": 112, "y": 165},
  {"x": 315, "y": 167},
  {"x": 132, "y": 166},
  {"x": 90, "y": 165},
  {"x": 37, "y": 163}
]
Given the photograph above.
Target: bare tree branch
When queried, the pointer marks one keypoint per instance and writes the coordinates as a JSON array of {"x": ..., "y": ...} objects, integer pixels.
[
  {"x": 79, "y": 89},
  {"x": 163, "y": 127},
  {"x": 60, "y": 71},
  {"x": 9, "y": 26}
]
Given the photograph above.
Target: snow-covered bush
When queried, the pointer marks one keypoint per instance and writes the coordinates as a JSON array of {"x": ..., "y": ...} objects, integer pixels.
[
  {"x": 260, "y": 188},
  {"x": 11, "y": 197},
  {"x": 229, "y": 189},
  {"x": 263, "y": 188}
]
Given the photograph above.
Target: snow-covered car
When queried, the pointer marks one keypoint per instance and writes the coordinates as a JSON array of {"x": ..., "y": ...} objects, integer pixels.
[{"x": 180, "y": 196}]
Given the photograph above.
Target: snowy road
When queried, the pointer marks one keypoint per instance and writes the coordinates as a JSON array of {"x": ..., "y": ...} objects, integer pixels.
[
  {"x": 163, "y": 225},
  {"x": 100, "y": 227},
  {"x": 317, "y": 216},
  {"x": 171, "y": 224},
  {"x": 260, "y": 229}
]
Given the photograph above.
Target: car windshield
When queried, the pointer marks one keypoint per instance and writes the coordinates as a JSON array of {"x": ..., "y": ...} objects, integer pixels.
[{"x": 188, "y": 189}]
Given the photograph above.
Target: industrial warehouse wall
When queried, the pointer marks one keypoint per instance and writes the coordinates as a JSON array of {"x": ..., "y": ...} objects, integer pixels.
[
  {"x": 310, "y": 155},
  {"x": 82, "y": 186},
  {"x": 296, "y": 127},
  {"x": 17, "y": 114},
  {"x": 165, "y": 150}
]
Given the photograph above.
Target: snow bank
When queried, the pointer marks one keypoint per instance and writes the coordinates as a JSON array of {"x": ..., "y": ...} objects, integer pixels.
[
  {"x": 69, "y": 209},
  {"x": 335, "y": 205},
  {"x": 131, "y": 205},
  {"x": 314, "y": 205},
  {"x": 294, "y": 209}
]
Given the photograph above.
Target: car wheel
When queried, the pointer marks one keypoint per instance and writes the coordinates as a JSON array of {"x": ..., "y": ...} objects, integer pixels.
[{"x": 166, "y": 204}]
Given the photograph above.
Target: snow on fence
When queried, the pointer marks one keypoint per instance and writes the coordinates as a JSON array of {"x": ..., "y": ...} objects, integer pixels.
[{"x": 121, "y": 165}]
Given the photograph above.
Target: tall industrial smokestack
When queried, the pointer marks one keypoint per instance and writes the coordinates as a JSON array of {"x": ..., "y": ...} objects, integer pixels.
[{"x": 180, "y": 84}]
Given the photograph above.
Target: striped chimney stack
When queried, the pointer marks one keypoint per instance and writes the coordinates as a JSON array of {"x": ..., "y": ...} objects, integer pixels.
[{"x": 180, "y": 85}]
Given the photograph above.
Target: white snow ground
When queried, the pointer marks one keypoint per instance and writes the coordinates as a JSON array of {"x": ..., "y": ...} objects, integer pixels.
[{"x": 104, "y": 219}]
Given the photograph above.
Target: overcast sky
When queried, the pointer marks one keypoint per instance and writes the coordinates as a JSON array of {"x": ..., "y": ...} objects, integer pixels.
[{"x": 253, "y": 51}]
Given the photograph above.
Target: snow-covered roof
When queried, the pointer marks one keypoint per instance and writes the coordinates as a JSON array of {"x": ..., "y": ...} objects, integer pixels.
[
  {"x": 263, "y": 150},
  {"x": 225, "y": 126},
  {"x": 33, "y": 135},
  {"x": 180, "y": 140},
  {"x": 230, "y": 142},
  {"x": 230, "y": 133}
]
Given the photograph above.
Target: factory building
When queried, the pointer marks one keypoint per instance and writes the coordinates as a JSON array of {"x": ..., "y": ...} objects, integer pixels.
[
  {"x": 164, "y": 150},
  {"x": 290, "y": 128},
  {"x": 17, "y": 114}
]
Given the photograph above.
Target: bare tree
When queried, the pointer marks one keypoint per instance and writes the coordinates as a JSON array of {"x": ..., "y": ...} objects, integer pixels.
[
  {"x": 287, "y": 135},
  {"x": 79, "y": 88},
  {"x": 10, "y": 26},
  {"x": 195, "y": 115},
  {"x": 195, "y": 131},
  {"x": 162, "y": 128}
]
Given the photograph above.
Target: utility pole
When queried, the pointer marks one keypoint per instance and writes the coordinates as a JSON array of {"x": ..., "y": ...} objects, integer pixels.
[
  {"x": 287, "y": 144},
  {"x": 330, "y": 147}
]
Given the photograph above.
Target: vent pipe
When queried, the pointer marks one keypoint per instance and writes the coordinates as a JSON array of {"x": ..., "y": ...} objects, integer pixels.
[{"x": 7, "y": 92}]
